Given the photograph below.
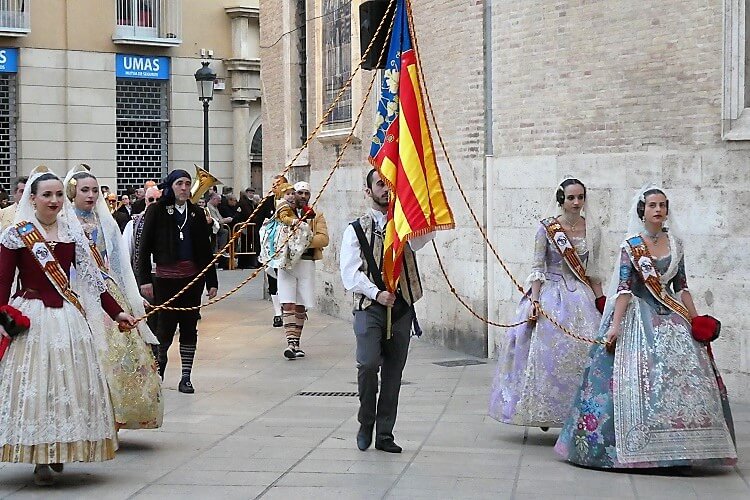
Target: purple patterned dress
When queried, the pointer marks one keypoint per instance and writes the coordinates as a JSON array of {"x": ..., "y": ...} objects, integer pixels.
[{"x": 539, "y": 367}]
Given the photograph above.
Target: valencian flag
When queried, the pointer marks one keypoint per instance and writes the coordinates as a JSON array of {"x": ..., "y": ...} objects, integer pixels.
[{"x": 403, "y": 154}]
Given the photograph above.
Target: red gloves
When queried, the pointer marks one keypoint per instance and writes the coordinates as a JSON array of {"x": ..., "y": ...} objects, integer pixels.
[
  {"x": 14, "y": 323},
  {"x": 705, "y": 328},
  {"x": 600, "y": 303}
]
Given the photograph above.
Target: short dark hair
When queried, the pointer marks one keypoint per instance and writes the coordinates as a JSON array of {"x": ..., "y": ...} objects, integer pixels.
[
  {"x": 368, "y": 179},
  {"x": 560, "y": 193},
  {"x": 104, "y": 187},
  {"x": 21, "y": 180}
]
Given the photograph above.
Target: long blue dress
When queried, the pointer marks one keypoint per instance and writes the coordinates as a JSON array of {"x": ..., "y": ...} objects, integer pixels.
[{"x": 657, "y": 401}]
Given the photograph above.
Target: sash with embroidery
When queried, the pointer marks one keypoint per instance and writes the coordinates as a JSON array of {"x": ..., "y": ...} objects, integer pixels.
[
  {"x": 42, "y": 253},
  {"x": 559, "y": 239},
  {"x": 644, "y": 264},
  {"x": 97, "y": 257}
]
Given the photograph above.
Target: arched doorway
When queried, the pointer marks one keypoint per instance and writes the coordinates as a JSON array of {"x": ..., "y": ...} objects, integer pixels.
[{"x": 256, "y": 161}]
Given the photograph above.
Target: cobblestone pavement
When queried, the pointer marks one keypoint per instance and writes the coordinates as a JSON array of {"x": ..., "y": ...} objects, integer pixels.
[{"x": 247, "y": 433}]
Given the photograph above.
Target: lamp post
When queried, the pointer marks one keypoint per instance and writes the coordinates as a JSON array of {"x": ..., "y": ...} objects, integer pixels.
[{"x": 205, "y": 78}]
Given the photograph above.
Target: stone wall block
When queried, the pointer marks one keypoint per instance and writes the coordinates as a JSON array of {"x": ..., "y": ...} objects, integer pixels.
[{"x": 681, "y": 170}]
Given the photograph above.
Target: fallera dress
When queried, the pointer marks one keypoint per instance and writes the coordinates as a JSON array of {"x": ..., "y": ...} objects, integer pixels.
[
  {"x": 54, "y": 399},
  {"x": 658, "y": 401},
  {"x": 129, "y": 362},
  {"x": 539, "y": 367}
]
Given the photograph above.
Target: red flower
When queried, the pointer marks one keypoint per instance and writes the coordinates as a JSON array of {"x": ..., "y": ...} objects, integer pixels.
[{"x": 591, "y": 422}]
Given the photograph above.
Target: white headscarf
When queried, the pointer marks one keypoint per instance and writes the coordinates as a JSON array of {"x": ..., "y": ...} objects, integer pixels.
[
  {"x": 118, "y": 257},
  {"x": 85, "y": 279}
]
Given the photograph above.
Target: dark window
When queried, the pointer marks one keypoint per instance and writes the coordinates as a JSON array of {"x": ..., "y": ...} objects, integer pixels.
[
  {"x": 7, "y": 130},
  {"x": 142, "y": 118},
  {"x": 337, "y": 59},
  {"x": 301, "y": 21}
]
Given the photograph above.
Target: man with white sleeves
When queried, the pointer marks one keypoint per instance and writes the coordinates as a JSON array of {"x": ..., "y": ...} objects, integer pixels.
[{"x": 361, "y": 260}]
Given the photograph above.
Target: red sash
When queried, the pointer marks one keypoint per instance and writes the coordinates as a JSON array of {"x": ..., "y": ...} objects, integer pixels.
[
  {"x": 644, "y": 264},
  {"x": 42, "y": 253},
  {"x": 97, "y": 257},
  {"x": 561, "y": 242}
]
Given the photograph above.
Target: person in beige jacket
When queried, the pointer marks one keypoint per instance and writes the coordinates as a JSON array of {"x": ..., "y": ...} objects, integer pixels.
[
  {"x": 297, "y": 285},
  {"x": 8, "y": 213}
]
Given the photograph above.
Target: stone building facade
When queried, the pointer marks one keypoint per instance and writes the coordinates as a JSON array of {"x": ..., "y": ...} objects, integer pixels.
[
  {"x": 111, "y": 84},
  {"x": 526, "y": 92}
]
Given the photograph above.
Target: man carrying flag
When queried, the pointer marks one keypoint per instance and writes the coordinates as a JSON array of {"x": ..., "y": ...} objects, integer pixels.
[
  {"x": 378, "y": 263},
  {"x": 361, "y": 251}
]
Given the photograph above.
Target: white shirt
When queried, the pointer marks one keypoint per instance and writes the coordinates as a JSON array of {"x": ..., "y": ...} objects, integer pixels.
[
  {"x": 351, "y": 260},
  {"x": 128, "y": 238}
]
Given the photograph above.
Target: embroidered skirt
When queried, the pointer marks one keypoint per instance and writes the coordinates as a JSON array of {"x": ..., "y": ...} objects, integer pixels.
[
  {"x": 54, "y": 400},
  {"x": 658, "y": 402},
  {"x": 132, "y": 374},
  {"x": 539, "y": 367}
]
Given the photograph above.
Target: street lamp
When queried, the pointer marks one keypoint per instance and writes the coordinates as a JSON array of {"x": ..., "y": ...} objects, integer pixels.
[{"x": 205, "y": 78}]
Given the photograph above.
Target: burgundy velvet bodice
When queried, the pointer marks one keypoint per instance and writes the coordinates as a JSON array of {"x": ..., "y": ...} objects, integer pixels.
[{"x": 34, "y": 283}]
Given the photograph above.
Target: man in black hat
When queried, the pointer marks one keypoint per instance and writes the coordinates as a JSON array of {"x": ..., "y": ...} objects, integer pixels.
[{"x": 176, "y": 233}]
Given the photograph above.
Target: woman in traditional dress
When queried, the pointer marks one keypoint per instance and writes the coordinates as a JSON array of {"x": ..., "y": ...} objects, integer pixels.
[
  {"x": 657, "y": 401},
  {"x": 539, "y": 366},
  {"x": 54, "y": 401},
  {"x": 131, "y": 367}
]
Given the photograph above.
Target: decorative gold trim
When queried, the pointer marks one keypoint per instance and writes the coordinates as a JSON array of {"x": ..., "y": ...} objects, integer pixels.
[
  {"x": 640, "y": 257},
  {"x": 59, "y": 453},
  {"x": 567, "y": 251}
]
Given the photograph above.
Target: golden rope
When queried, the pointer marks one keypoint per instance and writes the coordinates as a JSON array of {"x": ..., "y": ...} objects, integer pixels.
[
  {"x": 463, "y": 302},
  {"x": 423, "y": 85},
  {"x": 238, "y": 231}
]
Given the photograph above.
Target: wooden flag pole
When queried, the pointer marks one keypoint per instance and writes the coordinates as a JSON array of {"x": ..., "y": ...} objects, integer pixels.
[{"x": 388, "y": 325}]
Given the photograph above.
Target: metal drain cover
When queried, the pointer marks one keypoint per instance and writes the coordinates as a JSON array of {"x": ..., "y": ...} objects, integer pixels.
[
  {"x": 460, "y": 362},
  {"x": 330, "y": 394}
]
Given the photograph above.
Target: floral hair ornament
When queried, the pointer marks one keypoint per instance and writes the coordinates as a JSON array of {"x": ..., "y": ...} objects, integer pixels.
[{"x": 70, "y": 189}]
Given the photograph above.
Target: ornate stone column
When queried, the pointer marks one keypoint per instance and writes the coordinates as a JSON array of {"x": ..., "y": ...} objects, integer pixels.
[{"x": 244, "y": 73}]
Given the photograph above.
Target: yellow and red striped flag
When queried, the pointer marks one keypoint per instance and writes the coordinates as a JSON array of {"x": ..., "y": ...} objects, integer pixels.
[{"x": 403, "y": 154}]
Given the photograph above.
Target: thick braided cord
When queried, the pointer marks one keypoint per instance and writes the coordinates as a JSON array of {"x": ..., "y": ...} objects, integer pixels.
[
  {"x": 517, "y": 284},
  {"x": 237, "y": 232},
  {"x": 461, "y": 299}
]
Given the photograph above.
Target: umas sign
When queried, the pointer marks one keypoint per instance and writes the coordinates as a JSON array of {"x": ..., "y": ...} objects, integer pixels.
[
  {"x": 146, "y": 67},
  {"x": 8, "y": 60}
]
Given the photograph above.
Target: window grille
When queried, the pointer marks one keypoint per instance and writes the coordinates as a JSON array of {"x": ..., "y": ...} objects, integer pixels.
[
  {"x": 7, "y": 130},
  {"x": 337, "y": 59},
  {"x": 14, "y": 16},
  {"x": 148, "y": 20},
  {"x": 142, "y": 118},
  {"x": 301, "y": 21}
]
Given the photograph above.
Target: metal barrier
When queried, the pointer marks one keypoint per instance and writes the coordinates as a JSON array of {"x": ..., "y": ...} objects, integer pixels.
[{"x": 244, "y": 245}]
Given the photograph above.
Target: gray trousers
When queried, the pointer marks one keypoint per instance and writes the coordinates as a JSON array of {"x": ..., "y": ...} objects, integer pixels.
[{"x": 374, "y": 352}]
